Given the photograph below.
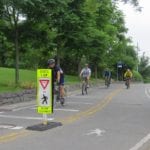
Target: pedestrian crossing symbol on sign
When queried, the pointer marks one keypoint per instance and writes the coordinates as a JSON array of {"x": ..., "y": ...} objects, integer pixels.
[{"x": 44, "y": 91}]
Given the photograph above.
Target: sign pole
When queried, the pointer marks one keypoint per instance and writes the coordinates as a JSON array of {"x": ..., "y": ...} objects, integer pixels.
[
  {"x": 45, "y": 119},
  {"x": 119, "y": 66}
]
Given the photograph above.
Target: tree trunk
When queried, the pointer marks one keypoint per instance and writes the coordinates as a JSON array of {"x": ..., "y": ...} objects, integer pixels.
[
  {"x": 57, "y": 57},
  {"x": 95, "y": 72},
  {"x": 79, "y": 67},
  {"x": 17, "y": 57}
]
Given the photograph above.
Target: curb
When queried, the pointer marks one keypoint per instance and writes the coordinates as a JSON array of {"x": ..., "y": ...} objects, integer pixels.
[{"x": 30, "y": 94}]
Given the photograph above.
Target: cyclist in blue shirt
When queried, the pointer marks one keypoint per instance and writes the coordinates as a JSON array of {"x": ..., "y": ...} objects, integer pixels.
[{"x": 107, "y": 75}]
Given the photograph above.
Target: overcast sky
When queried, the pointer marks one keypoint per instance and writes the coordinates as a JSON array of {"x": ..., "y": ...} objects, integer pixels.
[{"x": 138, "y": 24}]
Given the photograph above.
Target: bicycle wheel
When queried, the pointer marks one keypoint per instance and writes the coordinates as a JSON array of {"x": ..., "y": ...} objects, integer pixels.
[
  {"x": 86, "y": 91},
  {"x": 106, "y": 82},
  {"x": 83, "y": 88},
  {"x": 56, "y": 98},
  {"x": 65, "y": 92},
  {"x": 127, "y": 83},
  {"x": 62, "y": 101}
]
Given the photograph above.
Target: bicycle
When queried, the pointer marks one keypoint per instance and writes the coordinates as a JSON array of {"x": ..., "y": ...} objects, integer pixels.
[
  {"x": 84, "y": 86},
  {"x": 57, "y": 98},
  {"x": 107, "y": 81},
  {"x": 127, "y": 83}
]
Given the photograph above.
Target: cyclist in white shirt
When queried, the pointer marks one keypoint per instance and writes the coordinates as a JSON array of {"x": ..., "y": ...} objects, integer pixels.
[{"x": 85, "y": 74}]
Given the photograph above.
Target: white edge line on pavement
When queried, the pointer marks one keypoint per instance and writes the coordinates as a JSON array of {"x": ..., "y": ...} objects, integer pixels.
[
  {"x": 146, "y": 92},
  {"x": 73, "y": 110},
  {"x": 34, "y": 107},
  {"x": 141, "y": 143},
  {"x": 22, "y": 108},
  {"x": 23, "y": 117}
]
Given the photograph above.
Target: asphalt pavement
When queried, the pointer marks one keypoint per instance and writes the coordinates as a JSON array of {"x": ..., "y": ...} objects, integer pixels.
[{"x": 106, "y": 119}]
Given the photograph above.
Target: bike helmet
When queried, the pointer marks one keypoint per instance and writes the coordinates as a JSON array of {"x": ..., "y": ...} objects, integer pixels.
[
  {"x": 86, "y": 65},
  {"x": 51, "y": 61}
]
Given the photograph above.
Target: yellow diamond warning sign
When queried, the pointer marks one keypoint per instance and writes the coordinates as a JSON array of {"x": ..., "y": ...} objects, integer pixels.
[{"x": 44, "y": 91}]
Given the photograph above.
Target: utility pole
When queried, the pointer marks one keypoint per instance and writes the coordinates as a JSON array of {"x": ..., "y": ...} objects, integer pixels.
[{"x": 137, "y": 49}]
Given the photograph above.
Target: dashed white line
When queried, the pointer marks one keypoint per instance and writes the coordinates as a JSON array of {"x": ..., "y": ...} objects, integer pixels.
[
  {"x": 141, "y": 143},
  {"x": 80, "y": 103}
]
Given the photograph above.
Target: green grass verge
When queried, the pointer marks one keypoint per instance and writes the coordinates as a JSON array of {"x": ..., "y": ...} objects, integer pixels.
[
  {"x": 27, "y": 79},
  {"x": 7, "y": 79},
  {"x": 147, "y": 80}
]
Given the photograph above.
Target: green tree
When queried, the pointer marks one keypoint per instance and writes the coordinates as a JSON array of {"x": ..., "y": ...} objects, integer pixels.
[
  {"x": 12, "y": 13},
  {"x": 144, "y": 67},
  {"x": 74, "y": 31}
]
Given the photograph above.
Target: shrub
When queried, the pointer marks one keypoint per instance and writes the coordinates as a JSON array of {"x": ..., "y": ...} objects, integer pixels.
[
  {"x": 27, "y": 85},
  {"x": 137, "y": 76},
  {"x": 147, "y": 80}
]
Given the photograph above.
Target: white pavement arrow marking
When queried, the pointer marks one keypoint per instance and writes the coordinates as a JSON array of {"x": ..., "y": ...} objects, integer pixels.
[
  {"x": 98, "y": 132},
  {"x": 10, "y": 127},
  {"x": 17, "y": 128}
]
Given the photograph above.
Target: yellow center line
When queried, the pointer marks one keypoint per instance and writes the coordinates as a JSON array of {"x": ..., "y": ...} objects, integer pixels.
[
  {"x": 13, "y": 136},
  {"x": 91, "y": 110}
]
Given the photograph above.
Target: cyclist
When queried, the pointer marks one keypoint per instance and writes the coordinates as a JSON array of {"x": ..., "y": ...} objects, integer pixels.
[
  {"x": 107, "y": 76},
  {"x": 85, "y": 74},
  {"x": 57, "y": 76},
  {"x": 128, "y": 75}
]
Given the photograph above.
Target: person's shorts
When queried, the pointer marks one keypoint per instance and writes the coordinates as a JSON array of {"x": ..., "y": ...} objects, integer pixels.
[
  {"x": 84, "y": 78},
  {"x": 61, "y": 81}
]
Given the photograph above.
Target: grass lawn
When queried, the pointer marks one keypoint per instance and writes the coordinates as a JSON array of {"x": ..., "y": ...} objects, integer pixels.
[
  {"x": 27, "y": 79},
  {"x": 7, "y": 79}
]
